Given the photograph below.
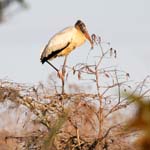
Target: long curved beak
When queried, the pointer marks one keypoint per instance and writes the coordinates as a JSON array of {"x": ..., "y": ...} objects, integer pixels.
[{"x": 89, "y": 38}]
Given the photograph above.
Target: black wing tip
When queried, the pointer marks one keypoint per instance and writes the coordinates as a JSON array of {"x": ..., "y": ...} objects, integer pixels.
[
  {"x": 52, "y": 55},
  {"x": 43, "y": 60}
]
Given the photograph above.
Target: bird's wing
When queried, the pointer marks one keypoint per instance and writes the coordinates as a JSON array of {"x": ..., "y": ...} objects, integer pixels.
[{"x": 58, "y": 42}]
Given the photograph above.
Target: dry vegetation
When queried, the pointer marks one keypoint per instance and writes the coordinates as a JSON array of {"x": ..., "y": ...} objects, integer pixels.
[{"x": 45, "y": 117}]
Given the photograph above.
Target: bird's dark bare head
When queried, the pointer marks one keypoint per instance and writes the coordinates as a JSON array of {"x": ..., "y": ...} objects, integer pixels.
[{"x": 79, "y": 25}]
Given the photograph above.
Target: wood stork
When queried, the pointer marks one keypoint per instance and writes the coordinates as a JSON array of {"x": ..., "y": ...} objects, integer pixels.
[{"x": 62, "y": 43}]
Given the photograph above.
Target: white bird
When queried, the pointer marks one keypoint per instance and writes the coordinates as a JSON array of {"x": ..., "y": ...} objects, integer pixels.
[{"x": 62, "y": 43}]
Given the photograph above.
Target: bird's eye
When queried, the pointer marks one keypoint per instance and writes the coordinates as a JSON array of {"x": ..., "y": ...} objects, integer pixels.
[{"x": 83, "y": 28}]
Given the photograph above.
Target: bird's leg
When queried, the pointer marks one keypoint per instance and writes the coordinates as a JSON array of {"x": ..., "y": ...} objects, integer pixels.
[
  {"x": 64, "y": 66},
  {"x": 63, "y": 73},
  {"x": 52, "y": 65},
  {"x": 60, "y": 74}
]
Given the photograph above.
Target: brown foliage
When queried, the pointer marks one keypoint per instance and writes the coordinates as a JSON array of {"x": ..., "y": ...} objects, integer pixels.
[{"x": 81, "y": 119}]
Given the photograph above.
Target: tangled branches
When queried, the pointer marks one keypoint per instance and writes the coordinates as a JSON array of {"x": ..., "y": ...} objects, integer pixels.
[{"x": 79, "y": 119}]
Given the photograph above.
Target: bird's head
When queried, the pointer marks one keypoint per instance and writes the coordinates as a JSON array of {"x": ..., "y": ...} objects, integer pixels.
[{"x": 81, "y": 26}]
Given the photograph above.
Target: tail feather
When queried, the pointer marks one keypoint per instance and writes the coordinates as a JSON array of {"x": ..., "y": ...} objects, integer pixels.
[
  {"x": 43, "y": 60},
  {"x": 43, "y": 55}
]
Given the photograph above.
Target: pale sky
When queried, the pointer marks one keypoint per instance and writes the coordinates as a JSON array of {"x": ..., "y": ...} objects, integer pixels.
[{"x": 125, "y": 24}]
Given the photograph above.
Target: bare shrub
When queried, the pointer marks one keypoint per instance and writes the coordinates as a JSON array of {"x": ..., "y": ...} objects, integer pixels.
[{"x": 86, "y": 117}]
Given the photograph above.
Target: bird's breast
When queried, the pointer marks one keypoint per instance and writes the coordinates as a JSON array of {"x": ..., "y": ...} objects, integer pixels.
[{"x": 77, "y": 40}]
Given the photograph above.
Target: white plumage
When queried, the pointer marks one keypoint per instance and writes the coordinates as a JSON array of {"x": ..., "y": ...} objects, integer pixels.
[
  {"x": 62, "y": 43},
  {"x": 69, "y": 36}
]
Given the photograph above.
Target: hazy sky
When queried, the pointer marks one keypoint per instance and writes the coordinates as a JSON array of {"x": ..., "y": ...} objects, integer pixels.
[{"x": 125, "y": 24}]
